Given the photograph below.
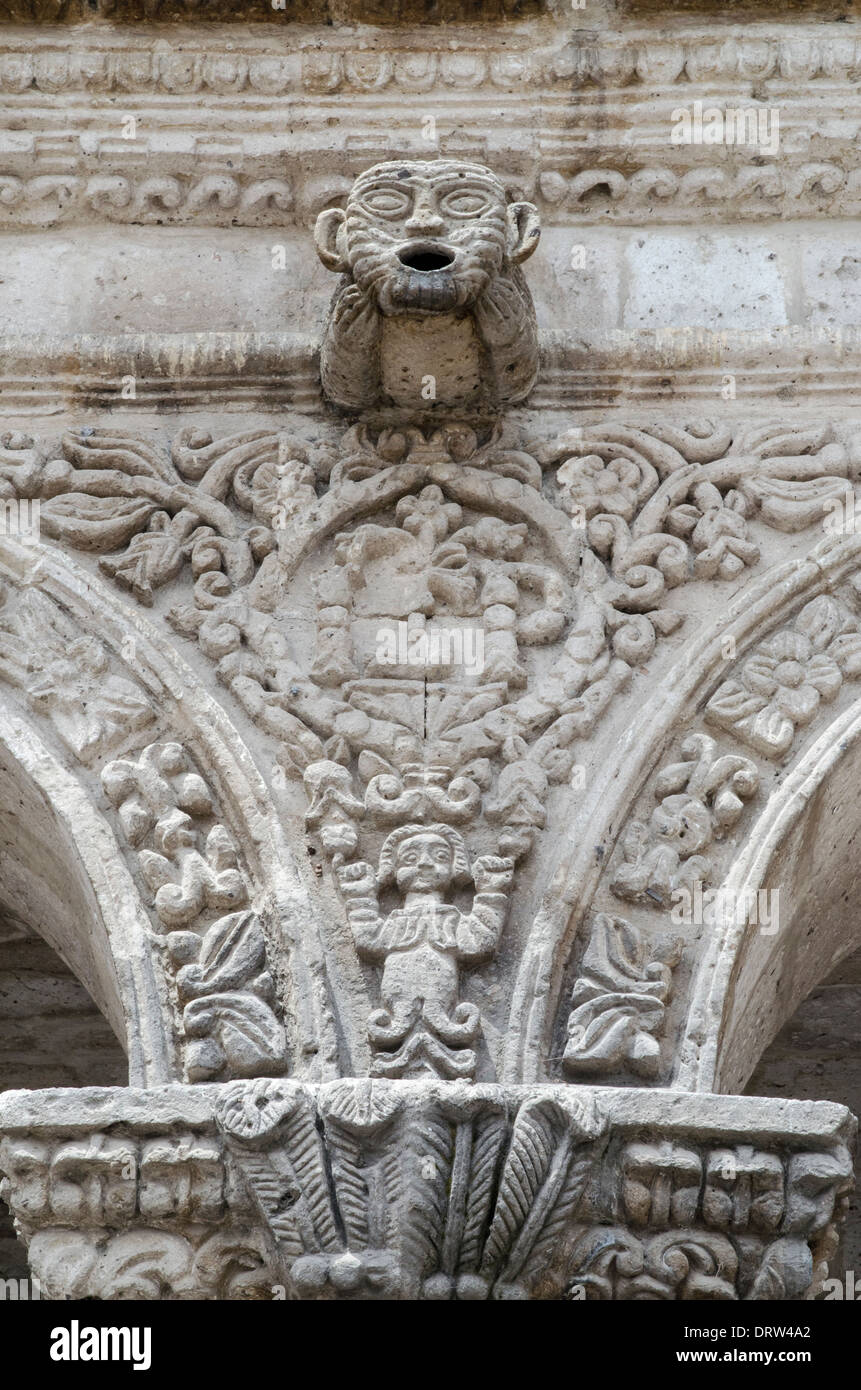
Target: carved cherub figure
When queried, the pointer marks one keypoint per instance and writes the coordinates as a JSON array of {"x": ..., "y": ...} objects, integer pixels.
[
  {"x": 433, "y": 307},
  {"x": 422, "y": 1026}
]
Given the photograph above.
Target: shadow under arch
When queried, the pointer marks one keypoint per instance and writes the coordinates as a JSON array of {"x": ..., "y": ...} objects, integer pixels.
[
  {"x": 803, "y": 851},
  {"x": 62, "y": 873}
]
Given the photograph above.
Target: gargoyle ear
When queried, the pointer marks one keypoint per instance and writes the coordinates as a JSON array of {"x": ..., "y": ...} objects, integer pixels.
[
  {"x": 328, "y": 240},
  {"x": 524, "y": 229}
]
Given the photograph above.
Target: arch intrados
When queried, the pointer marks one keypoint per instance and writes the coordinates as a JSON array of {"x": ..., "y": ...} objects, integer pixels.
[
  {"x": 62, "y": 874},
  {"x": 804, "y": 846}
]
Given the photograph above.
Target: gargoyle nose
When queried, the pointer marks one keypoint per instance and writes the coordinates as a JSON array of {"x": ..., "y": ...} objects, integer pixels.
[{"x": 424, "y": 221}]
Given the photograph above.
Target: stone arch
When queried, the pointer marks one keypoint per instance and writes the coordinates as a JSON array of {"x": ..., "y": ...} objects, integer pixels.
[
  {"x": 803, "y": 846},
  {"x": 64, "y": 875},
  {"x": 761, "y": 608},
  {"x": 185, "y": 714}
]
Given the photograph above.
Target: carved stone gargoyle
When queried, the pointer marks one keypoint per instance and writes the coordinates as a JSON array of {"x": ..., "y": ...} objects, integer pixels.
[{"x": 433, "y": 308}]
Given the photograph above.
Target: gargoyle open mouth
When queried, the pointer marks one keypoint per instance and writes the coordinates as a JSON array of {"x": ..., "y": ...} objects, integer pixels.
[
  {"x": 425, "y": 259},
  {"x": 425, "y": 281}
]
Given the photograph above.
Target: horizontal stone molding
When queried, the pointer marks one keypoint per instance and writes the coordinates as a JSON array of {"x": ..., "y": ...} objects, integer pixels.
[
  {"x": 47, "y": 183},
  {"x": 548, "y": 54},
  {"x": 795, "y": 366},
  {"x": 285, "y": 11},
  {"x": 149, "y": 1111},
  {"x": 579, "y": 122}
]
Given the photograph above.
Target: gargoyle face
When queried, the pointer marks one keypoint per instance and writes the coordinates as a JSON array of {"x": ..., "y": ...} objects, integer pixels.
[{"x": 426, "y": 237}]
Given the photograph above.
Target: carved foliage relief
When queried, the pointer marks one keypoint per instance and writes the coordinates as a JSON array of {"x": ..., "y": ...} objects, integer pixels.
[
  {"x": 424, "y": 625},
  {"x": 374, "y": 1190}
]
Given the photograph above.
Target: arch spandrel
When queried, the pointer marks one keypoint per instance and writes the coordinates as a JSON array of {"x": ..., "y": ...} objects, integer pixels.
[{"x": 172, "y": 788}]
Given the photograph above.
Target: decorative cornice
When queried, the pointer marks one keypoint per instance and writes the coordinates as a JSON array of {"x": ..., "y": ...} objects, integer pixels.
[
  {"x": 536, "y": 55},
  {"x": 144, "y": 186},
  {"x": 580, "y": 125}
]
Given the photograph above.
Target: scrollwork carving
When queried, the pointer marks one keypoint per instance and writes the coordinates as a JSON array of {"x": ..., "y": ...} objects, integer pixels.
[
  {"x": 619, "y": 1000},
  {"x": 224, "y": 987}
]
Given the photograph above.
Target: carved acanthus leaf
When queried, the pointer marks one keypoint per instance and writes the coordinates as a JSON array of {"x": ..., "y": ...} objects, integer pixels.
[{"x": 187, "y": 858}]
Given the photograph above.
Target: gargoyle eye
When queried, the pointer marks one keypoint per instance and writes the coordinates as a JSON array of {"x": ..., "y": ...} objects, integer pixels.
[
  {"x": 465, "y": 202},
  {"x": 387, "y": 202}
]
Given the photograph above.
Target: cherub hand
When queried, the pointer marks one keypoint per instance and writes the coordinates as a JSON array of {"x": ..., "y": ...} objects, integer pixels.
[
  {"x": 492, "y": 874},
  {"x": 357, "y": 880}
]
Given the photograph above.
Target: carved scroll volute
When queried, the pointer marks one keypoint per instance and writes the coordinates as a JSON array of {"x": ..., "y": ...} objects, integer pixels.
[{"x": 433, "y": 308}]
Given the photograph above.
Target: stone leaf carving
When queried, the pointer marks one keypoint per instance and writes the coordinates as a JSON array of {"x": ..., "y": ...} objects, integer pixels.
[
  {"x": 110, "y": 491},
  {"x": 633, "y": 490},
  {"x": 433, "y": 306},
  {"x": 646, "y": 539},
  {"x": 614, "y": 1263},
  {"x": 699, "y": 799},
  {"x": 361, "y": 1189},
  {"x": 68, "y": 677},
  {"x": 548, "y": 590},
  {"x": 619, "y": 1000},
  {"x": 229, "y": 1000},
  {"x": 144, "y": 1264},
  {"x": 481, "y": 1199},
  {"x": 781, "y": 686},
  {"x": 229, "y": 1012}
]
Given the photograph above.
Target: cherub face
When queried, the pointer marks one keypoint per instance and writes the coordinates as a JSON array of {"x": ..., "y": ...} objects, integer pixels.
[
  {"x": 426, "y": 237},
  {"x": 424, "y": 864}
]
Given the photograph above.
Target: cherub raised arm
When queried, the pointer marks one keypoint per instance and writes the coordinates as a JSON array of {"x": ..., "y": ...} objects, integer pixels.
[{"x": 422, "y": 942}]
